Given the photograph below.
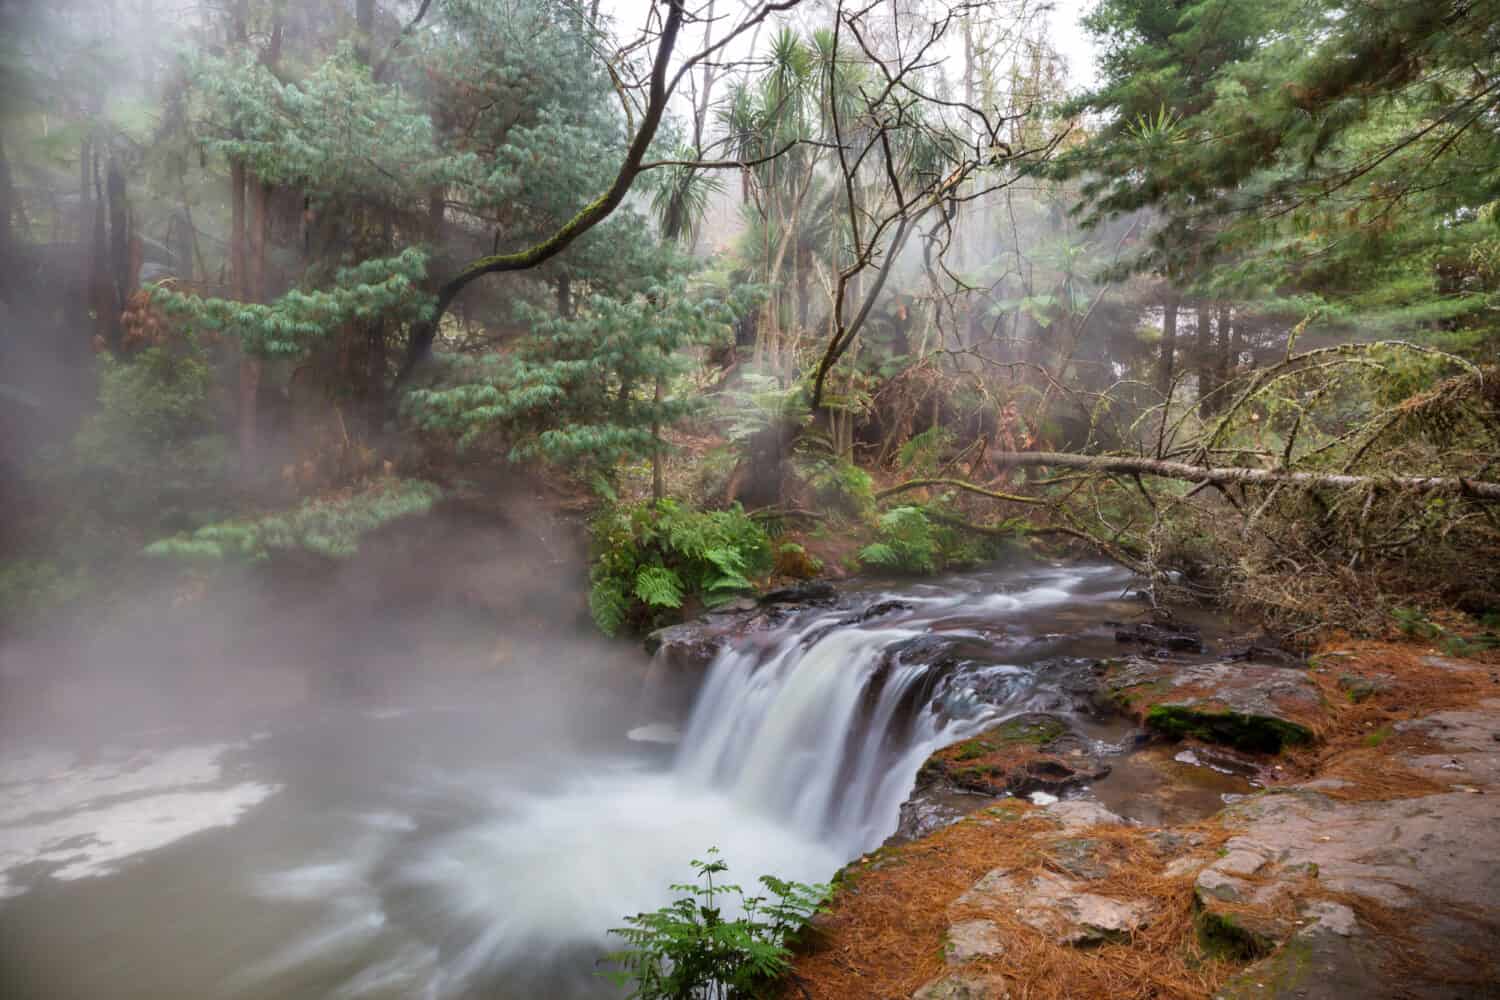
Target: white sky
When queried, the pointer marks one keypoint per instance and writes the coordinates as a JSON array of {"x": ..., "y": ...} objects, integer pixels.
[{"x": 1066, "y": 33}]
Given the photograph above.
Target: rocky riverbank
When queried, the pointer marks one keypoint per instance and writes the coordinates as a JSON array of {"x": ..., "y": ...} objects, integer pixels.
[{"x": 1358, "y": 861}]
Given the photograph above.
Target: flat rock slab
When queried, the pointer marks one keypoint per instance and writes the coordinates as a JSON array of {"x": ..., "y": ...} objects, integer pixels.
[
  {"x": 1058, "y": 907},
  {"x": 1430, "y": 859},
  {"x": 1253, "y": 707}
]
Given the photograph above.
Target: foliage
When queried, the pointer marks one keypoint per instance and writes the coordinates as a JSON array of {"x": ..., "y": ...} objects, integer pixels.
[
  {"x": 326, "y": 527},
  {"x": 153, "y": 442},
  {"x": 582, "y": 389},
  {"x": 388, "y": 288},
  {"x": 905, "y": 542},
  {"x": 920, "y": 540},
  {"x": 838, "y": 485},
  {"x": 32, "y": 587},
  {"x": 694, "y": 948},
  {"x": 649, "y": 559}
]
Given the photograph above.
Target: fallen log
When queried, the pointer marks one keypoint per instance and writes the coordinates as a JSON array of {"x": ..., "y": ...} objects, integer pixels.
[{"x": 1226, "y": 475}]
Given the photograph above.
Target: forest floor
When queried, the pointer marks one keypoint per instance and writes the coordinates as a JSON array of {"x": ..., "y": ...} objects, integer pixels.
[{"x": 1364, "y": 868}]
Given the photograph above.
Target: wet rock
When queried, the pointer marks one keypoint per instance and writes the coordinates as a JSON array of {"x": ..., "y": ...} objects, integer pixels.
[
  {"x": 964, "y": 986},
  {"x": 1250, "y": 707},
  {"x": 1058, "y": 907},
  {"x": 971, "y": 939},
  {"x": 1030, "y": 753},
  {"x": 1160, "y": 636},
  {"x": 811, "y": 592},
  {"x": 1267, "y": 652},
  {"x": 879, "y": 610}
]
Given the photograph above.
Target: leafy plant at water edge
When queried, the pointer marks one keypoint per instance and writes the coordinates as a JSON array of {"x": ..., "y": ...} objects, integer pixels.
[
  {"x": 692, "y": 949},
  {"x": 650, "y": 558},
  {"x": 913, "y": 540},
  {"x": 905, "y": 542}
]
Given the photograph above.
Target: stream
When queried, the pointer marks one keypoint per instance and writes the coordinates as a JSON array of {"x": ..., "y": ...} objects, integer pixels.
[{"x": 477, "y": 833}]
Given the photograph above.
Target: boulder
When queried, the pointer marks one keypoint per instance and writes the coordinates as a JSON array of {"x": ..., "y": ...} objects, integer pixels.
[
  {"x": 1029, "y": 753},
  {"x": 1251, "y": 707}
]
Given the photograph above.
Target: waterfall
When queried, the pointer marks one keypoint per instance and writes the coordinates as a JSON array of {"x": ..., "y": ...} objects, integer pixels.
[{"x": 824, "y": 731}]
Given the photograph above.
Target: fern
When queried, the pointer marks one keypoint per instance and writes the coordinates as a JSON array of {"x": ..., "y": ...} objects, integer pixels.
[
  {"x": 696, "y": 947},
  {"x": 651, "y": 559},
  {"x": 659, "y": 587},
  {"x": 608, "y": 605}
]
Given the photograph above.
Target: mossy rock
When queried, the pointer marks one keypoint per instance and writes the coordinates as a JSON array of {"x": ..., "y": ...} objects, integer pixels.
[
  {"x": 1220, "y": 935},
  {"x": 1249, "y": 733}
]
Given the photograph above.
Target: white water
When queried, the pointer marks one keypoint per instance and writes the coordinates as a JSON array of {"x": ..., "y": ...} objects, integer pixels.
[{"x": 503, "y": 879}]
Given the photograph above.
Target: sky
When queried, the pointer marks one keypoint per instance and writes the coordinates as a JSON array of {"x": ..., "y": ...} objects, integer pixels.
[
  {"x": 1067, "y": 34},
  {"x": 1071, "y": 41}
]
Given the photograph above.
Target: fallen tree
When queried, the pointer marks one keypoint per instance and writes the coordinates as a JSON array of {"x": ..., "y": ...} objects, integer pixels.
[{"x": 1226, "y": 475}]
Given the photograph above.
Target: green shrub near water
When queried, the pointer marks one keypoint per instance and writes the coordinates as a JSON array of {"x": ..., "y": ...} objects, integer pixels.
[
  {"x": 913, "y": 540},
  {"x": 691, "y": 950},
  {"x": 649, "y": 559}
]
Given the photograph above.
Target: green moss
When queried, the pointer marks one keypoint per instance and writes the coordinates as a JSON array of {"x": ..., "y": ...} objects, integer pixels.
[
  {"x": 1250, "y": 733},
  {"x": 972, "y": 749},
  {"x": 1028, "y": 730},
  {"x": 1379, "y": 736}
]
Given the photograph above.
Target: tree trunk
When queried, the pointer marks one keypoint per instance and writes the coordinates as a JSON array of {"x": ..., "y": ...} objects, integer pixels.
[
  {"x": 565, "y": 295},
  {"x": 364, "y": 30},
  {"x": 101, "y": 283},
  {"x": 1204, "y": 349},
  {"x": 658, "y": 478},
  {"x": 253, "y": 286},
  {"x": 1166, "y": 364},
  {"x": 119, "y": 249}
]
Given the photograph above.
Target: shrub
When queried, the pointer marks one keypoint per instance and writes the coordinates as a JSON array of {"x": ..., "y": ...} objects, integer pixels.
[
  {"x": 649, "y": 559},
  {"x": 330, "y": 528},
  {"x": 913, "y": 540},
  {"x": 153, "y": 441},
  {"x": 905, "y": 542},
  {"x": 690, "y": 949}
]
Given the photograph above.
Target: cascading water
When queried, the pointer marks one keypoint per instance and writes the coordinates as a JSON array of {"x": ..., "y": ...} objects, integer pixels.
[
  {"x": 826, "y": 731},
  {"x": 456, "y": 871}
]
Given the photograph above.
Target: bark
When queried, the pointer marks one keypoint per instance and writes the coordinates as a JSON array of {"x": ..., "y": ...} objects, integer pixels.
[
  {"x": 101, "y": 284},
  {"x": 1229, "y": 345},
  {"x": 1235, "y": 474},
  {"x": 658, "y": 479},
  {"x": 364, "y": 25},
  {"x": 237, "y": 283},
  {"x": 1204, "y": 348},
  {"x": 254, "y": 290},
  {"x": 1166, "y": 365},
  {"x": 119, "y": 249}
]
